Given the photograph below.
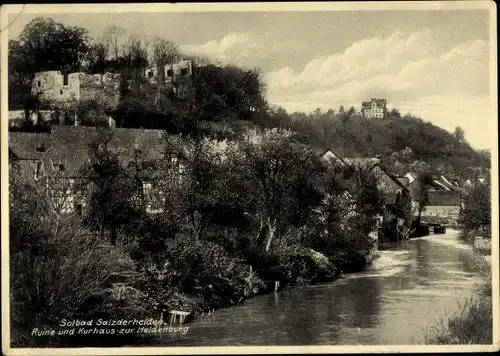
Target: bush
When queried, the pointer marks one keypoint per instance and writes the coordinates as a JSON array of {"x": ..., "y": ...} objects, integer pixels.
[
  {"x": 473, "y": 323},
  {"x": 196, "y": 276},
  {"x": 291, "y": 265},
  {"x": 57, "y": 268},
  {"x": 350, "y": 250}
]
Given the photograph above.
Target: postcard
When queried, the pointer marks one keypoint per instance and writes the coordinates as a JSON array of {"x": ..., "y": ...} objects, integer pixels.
[{"x": 249, "y": 178}]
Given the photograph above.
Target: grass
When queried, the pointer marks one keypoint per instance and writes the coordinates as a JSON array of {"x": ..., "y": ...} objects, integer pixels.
[{"x": 472, "y": 323}]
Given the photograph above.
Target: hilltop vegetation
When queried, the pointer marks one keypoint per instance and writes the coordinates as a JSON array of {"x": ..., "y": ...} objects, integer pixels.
[{"x": 405, "y": 143}]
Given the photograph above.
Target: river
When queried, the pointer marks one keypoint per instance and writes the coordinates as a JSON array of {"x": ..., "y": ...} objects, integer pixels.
[{"x": 393, "y": 302}]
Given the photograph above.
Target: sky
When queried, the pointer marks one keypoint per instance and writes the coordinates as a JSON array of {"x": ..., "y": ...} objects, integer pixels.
[{"x": 434, "y": 64}]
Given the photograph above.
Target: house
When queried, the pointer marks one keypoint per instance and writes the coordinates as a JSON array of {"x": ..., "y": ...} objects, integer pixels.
[
  {"x": 392, "y": 189},
  {"x": 57, "y": 160},
  {"x": 375, "y": 108},
  {"x": 443, "y": 205},
  {"x": 394, "y": 192}
]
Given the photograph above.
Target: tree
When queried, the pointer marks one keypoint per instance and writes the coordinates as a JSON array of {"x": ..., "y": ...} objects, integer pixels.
[
  {"x": 112, "y": 34},
  {"x": 279, "y": 173},
  {"x": 406, "y": 154},
  {"x": 420, "y": 193},
  {"x": 395, "y": 113},
  {"x": 163, "y": 52},
  {"x": 351, "y": 111},
  {"x": 97, "y": 56},
  {"x": 476, "y": 215},
  {"x": 341, "y": 109},
  {"x": 113, "y": 190},
  {"x": 43, "y": 45},
  {"x": 459, "y": 134},
  {"x": 48, "y": 45}
]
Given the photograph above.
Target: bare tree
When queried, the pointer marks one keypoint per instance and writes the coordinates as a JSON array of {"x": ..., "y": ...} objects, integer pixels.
[
  {"x": 163, "y": 52},
  {"x": 98, "y": 54},
  {"x": 112, "y": 34}
]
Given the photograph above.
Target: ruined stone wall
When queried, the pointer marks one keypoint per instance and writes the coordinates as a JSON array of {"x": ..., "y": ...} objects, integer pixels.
[
  {"x": 51, "y": 86},
  {"x": 104, "y": 88}
]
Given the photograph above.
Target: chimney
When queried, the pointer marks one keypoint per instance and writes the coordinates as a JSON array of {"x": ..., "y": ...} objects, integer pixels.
[{"x": 111, "y": 122}]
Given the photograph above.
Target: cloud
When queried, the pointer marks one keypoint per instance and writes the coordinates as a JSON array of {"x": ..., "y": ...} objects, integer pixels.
[
  {"x": 396, "y": 66},
  {"x": 446, "y": 85},
  {"x": 234, "y": 48},
  {"x": 411, "y": 72}
]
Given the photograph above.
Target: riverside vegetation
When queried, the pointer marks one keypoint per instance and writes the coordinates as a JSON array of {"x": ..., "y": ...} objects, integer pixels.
[
  {"x": 473, "y": 323},
  {"x": 230, "y": 226}
]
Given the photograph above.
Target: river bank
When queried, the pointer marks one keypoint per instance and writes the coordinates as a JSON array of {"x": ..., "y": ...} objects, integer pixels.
[
  {"x": 472, "y": 322},
  {"x": 390, "y": 302}
]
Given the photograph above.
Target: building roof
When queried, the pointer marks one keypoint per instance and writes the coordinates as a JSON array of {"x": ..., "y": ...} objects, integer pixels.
[
  {"x": 381, "y": 103},
  {"x": 331, "y": 154},
  {"x": 386, "y": 182},
  {"x": 29, "y": 145},
  {"x": 403, "y": 180},
  {"x": 70, "y": 146},
  {"x": 444, "y": 198}
]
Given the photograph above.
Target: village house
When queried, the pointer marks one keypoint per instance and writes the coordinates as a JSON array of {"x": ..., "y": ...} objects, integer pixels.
[
  {"x": 395, "y": 194},
  {"x": 446, "y": 198},
  {"x": 375, "y": 108},
  {"x": 45, "y": 158},
  {"x": 59, "y": 161},
  {"x": 443, "y": 206}
]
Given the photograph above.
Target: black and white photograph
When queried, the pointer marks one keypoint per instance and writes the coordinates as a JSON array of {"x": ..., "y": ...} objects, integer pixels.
[{"x": 249, "y": 178}]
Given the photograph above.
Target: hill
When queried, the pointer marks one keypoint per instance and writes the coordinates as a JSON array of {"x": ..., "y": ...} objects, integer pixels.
[{"x": 405, "y": 143}]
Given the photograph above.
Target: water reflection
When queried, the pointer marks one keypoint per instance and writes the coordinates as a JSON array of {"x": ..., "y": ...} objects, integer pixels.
[{"x": 392, "y": 302}]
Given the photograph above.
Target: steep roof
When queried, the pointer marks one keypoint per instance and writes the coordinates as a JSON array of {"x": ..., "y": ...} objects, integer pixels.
[
  {"x": 387, "y": 182},
  {"x": 403, "y": 180},
  {"x": 381, "y": 103},
  {"x": 70, "y": 146},
  {"x": 29, "y": 145},
  {"x": 444, "y": 198},
  {"x": 329, "y": 153}
]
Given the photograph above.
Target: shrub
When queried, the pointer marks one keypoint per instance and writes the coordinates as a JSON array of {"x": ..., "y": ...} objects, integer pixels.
[
  {"x": 350, "y": 251},
  {"x": 291, "y": 265},
  {"x": 196, "y": 276},
  {"x": 56, "y": 268},
  {"x": 473, "y": 323}
]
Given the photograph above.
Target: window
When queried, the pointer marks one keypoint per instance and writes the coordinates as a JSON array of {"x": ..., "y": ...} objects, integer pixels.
[
  {"x": 39, "y": 84},
  {"x": 60, "y": 91},
  {"x": 184, "y": 71},
  {"x": 40, "y": 147},
  {"x": 38, "y": 171},
  {"x": 65, "y": 79},
  {"x": 150, "y": 74},
  {"x": 61, "y": 167},
  {"x": 170, "y": 73}
]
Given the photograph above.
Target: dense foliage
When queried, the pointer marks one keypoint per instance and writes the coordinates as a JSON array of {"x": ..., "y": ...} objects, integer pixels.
[
  {"x": 476, "y": 215},
  {"x": 406, "y": 143}
]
